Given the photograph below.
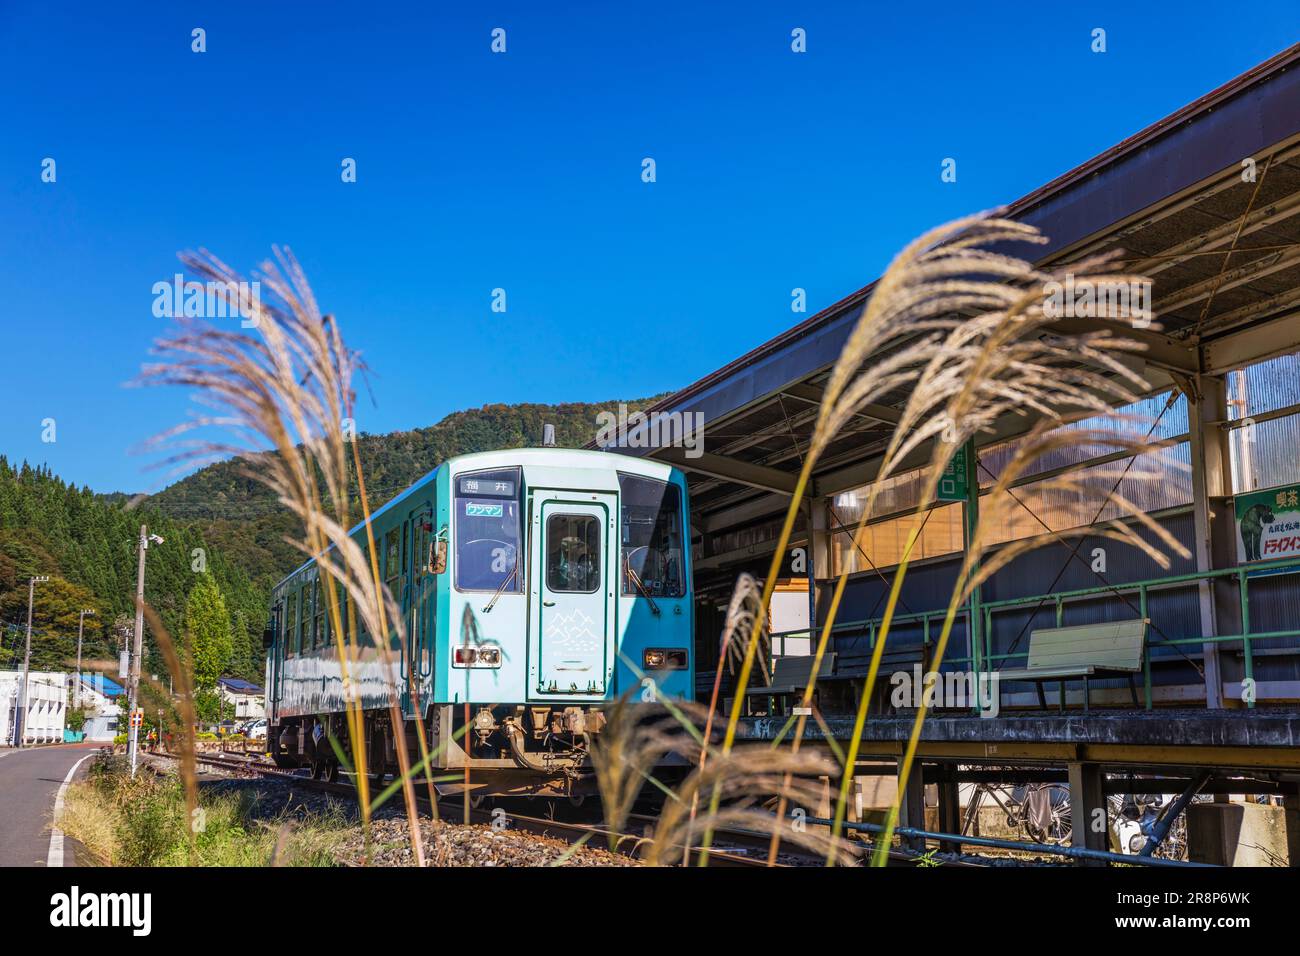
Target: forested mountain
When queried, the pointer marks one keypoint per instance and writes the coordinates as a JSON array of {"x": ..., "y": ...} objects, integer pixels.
[
  {"x": 86, "y": 544},
  {"x": 221, "y": 529},
  {"x": 243, "y": 520}
]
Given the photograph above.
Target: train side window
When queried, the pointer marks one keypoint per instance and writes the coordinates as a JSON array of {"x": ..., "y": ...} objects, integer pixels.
[
  {"x": 321, "y": 635},
  {"x": 304, "y": 620},
  {"x": 290, "y": 637},
  {"x": 393, "y": 574},
  {"x": 343, "y": 613},
  {"x": 652, "y": 537},
  {"x": 572, "y": 553}
]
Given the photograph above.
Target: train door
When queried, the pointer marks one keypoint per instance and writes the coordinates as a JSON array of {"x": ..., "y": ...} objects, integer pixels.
[
  {"x": 572, "y": 640},
  {"x": 275, "y": 663}
]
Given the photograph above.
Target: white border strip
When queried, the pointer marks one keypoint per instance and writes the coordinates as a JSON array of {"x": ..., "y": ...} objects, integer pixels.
[{"x": 55, "y": 856}]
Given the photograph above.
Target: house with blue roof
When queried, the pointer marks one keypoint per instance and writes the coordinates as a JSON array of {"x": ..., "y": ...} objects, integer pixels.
[
  {"x": 97, "y": 696},
  {"x": 241, "y": 699}
]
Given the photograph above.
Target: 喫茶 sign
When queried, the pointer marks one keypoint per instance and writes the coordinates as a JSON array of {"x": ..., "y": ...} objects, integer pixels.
[{"x": 1268, "y": 524}]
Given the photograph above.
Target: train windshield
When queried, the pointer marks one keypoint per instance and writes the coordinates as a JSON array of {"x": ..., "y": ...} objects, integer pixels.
[
  {"x": 487, "y": 531},
  {"x": 652, "y": 537}
]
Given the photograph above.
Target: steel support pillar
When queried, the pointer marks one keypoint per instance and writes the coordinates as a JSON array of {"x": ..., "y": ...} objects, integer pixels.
[
  {"x": 1089, "y": 826},
  {"x": 949, "y": 807},
  {"x": 1211, "y": 484},
  {"x": 911, "y": 805},
  {"x": 820, "y": 564}
]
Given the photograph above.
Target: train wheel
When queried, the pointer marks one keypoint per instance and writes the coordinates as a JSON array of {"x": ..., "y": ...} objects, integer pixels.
[{"x": 332, "y": 771}]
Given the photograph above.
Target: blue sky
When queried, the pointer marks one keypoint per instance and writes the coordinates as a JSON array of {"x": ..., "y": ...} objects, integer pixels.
[{"x": 522, "y": 171}]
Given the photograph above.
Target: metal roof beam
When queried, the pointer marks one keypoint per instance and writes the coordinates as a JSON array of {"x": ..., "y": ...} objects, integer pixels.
[
  {"x": 1160, "y": 350},
  {"x": 1280, "y": 336},
  {"x": 739, "y": 472}
]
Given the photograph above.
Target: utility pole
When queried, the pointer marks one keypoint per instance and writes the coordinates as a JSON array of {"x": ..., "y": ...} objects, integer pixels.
[
  {"x": 21, "y": 704},
  {"x": 134, "y": 689},
  {"x": 81, "y": 626}
]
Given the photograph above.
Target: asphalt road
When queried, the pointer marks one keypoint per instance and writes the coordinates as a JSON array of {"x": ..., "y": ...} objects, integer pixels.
[{"x": 29, "y": 782}]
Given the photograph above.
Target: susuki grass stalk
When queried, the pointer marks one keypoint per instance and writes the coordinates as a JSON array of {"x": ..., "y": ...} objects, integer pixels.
[
  {"x": 999, "y": 363},
  {"x": 284, "y": 395},
  {"x": 913, "y": 301},
  {"x": 746, "y": 606},
  {"x": 1046, "y": 437}
]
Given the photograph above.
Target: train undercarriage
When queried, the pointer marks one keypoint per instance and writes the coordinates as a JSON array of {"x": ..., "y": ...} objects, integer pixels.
[{"x": 492, "y": 750}]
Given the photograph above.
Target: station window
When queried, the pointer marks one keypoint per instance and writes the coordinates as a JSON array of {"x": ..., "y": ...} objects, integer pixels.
[
  {"x": 487, "y": 531},
  {"x": 572, "y": 553},
  {"x": 652, "y": 537}
]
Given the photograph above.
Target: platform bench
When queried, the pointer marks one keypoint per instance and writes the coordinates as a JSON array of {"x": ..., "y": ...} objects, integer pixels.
[
  {"x": 1082, "y": 652},
  {"x": 790, "y": 677}
]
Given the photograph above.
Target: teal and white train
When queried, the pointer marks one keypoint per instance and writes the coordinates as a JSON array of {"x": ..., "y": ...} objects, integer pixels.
[{"x": 536, "y": 585}]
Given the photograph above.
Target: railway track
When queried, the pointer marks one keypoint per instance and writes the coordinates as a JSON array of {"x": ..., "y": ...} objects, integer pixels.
[{"x": 729, "y": 850}]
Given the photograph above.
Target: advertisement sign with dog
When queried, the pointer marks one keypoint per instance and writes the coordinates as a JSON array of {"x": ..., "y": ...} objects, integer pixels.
[{"x": 1268, "y": 524}]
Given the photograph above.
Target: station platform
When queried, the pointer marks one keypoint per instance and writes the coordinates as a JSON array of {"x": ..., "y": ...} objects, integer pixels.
[{"x": 1262, "y": 739}]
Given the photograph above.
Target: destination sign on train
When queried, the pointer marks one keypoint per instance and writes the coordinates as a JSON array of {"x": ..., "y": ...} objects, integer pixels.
[{"x": 490, "y": 487}]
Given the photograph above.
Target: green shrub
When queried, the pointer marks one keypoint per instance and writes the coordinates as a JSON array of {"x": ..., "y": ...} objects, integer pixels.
[{"x": 143, "y": 821}]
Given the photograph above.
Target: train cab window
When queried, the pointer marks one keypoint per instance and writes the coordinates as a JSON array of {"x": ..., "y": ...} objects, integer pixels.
[
  {"x": 572, "y": 553},
  {"x": 290, "y": 636},
  {"x": 652, "y": 537},
  {"x": 487, "y": 531}
]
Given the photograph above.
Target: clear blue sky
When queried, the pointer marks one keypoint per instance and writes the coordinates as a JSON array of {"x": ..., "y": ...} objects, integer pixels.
[{"x": 522, "y": 171}]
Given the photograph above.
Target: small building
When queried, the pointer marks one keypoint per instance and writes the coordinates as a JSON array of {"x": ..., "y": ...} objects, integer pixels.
[
  {"x": 38, "y": 718},
  {"x": 245, "y": 700},
  {"x": 98, "y": 698}
]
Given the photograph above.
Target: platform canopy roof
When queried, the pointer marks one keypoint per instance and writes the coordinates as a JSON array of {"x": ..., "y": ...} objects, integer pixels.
[{"x": 1170, "y": 199}]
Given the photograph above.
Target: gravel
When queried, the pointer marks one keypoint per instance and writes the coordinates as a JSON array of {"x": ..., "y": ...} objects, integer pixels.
[
  {"x": 276, "y": 798},
  {"x": 452, "y": 844}
]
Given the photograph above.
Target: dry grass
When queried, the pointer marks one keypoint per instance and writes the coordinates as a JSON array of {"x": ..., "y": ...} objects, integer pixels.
[{"x": 283, "y": 395}]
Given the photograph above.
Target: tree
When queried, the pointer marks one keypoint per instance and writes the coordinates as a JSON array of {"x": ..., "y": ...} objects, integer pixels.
[{"x": 208, "y": 632}]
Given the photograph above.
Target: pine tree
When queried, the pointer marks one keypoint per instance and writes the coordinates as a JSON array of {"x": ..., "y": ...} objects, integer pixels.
[{"x": 208, "y": 632}]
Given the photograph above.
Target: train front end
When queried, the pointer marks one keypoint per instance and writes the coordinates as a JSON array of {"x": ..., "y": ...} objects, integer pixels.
[{"x": 567, "y": 587}]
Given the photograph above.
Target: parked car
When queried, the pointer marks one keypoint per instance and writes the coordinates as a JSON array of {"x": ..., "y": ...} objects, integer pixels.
[{"x": 255, "y": 729}]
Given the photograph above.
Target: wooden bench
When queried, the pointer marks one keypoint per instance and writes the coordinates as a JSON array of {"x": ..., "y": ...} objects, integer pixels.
[
  {"x": 790, "y": 677},
  {"x": 1082, "y": 652}
]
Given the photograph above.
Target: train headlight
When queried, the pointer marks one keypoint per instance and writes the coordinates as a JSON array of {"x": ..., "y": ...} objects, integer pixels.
[
  {"x": 665, "y": 659},
  {"x": 476, "y": 655}
]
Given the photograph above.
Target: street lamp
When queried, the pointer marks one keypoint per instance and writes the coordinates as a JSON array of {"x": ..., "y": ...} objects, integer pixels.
[
  {"x": 81, "y": 626},
  {"x": 21, "y": 702}
]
